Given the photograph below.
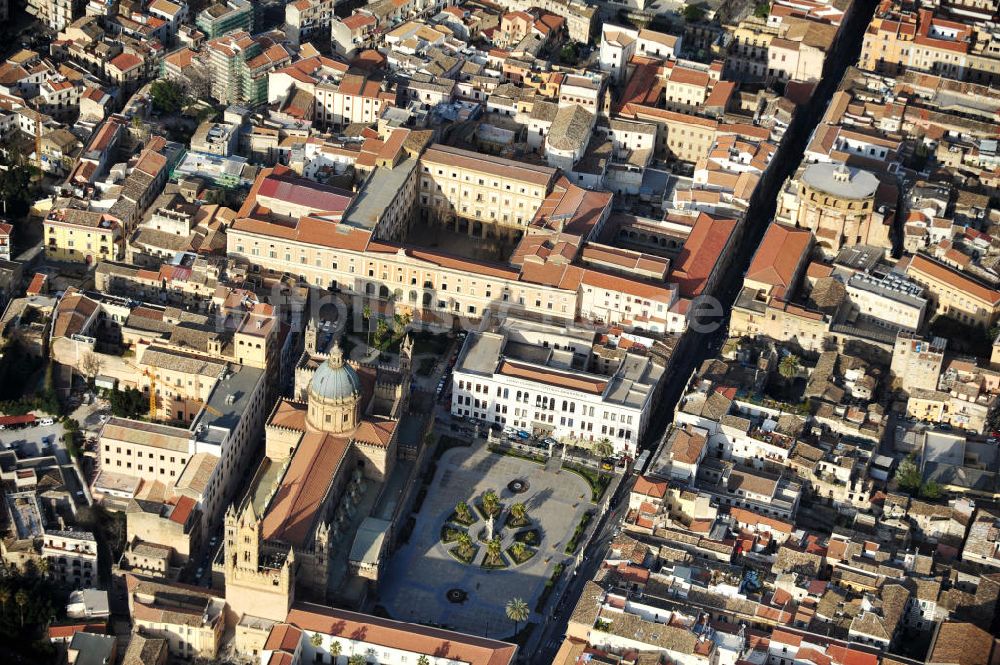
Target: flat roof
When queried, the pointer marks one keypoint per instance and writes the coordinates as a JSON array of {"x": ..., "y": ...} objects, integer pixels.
[
  {"x": 228, "y": 401},
  {"x": 380, "y": 190},
  {"x": 480, "y": 353}
]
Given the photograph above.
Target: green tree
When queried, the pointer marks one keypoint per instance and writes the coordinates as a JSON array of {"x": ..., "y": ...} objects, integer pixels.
[
  {"x": 463, "y": 512},
  {"x": 316, "y": 639},
  {"x": 4, "y": 598},
  {"x": 21, "y": 599},
  {"x": 569, "y": 53},
  {"x": 693, "y": 13},
  {"x": 491, "y": 503},
  {"x": 381, "y": 330},
  {"x": 366, "y": 314},
  {"x": 494, "y": 548},
  {"x": 128, "y": 403},
  {"x": 464, "y": 544},
  {"x": 908, "y": 475},
  {"x": 603, "y": 448},
  {"x": 930, "y": 490},
  {"x": 16, "y": 177},
  {"x": 357, "y": 659},
  {"x": 518, "y": 550},
  {"x": 423, "y": 660},
  {"x": 168, "y": 96},
  {"x": 335, "y": 651},
  {"x": 789, "y": 366},
  {"x": 517, "y": 611},
  {"x": 762, "y": 10},
  {"x": 519, "y": 512}
]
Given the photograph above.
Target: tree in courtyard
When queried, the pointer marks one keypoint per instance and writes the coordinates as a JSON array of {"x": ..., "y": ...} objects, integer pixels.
[
  {"x": 91, "y": 364},
  {"x": 569, "y": 52},
  {"x": 908, "y": 475},
  {"x": 357, "y": 659},
  {"x": 519, "y": 512},
  {"x": 316, "y": 640},
  {"x": 463, "y": 512},
  {"x": 762, "y": 10},
  {"x": 518, "y": 550},
  {"x": 423, "y": 660},
  {"x": 693, "y": 13},
  {"x": 517, "y": 611},
  {"x": 789, "y": 366},
  {"x": 930, "y": 490},
  {"x": 335, "y": 650},
  {"x": 168, "y": 96}
]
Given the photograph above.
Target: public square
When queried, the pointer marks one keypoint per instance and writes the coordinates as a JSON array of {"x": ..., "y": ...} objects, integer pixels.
[{"x": 420, "y": 574}]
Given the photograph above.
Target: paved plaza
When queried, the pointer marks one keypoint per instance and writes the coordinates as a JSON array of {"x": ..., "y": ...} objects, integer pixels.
[{"x": 422, "y": 571}]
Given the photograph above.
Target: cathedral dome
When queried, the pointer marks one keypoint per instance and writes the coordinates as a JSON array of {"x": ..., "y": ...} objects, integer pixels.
[{"x": 334, "y": 380}]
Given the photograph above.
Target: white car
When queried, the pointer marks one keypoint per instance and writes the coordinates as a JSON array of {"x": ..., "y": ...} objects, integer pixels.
[{"x": 46, "y": 421}]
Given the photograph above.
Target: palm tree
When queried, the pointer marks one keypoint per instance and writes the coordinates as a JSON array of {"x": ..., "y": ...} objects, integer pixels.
[
  {"x": 4, "y": 598},
  {"x": 423, "y": 660},
  {"x": 603, "y": 448},
  {"x": 519, "y": 512},
  {"x": 335, "y": 651},
  {"x": 789, "y": 366},
  {"x": 493, "y": 549},
  {"x": 517, "y": 611},
  {"x": 367, "y": 314},
  {"x": 21, "y": 598},
  {"x": 357, "y": 659},
  {"x": 491, "y": 503},
  {"x": 316, "y": 640},
  {"x": 463, "y": 512},
  {"x": 464, "y": 543},
  {"x": 517, "y": 550},
  {"x": 43, "y": 566},
  {"x": 381, "y": 330}
]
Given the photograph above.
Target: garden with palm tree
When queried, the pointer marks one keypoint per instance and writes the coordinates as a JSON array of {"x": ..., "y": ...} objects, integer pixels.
[{"x": 507, "y": 535}]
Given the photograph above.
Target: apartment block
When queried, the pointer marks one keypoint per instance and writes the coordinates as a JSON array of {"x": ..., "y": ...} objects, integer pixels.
[
  {"x": 224, "y": 17},
  {"x": 72, "y": 557},
  {"x": 82, "y": 236}
]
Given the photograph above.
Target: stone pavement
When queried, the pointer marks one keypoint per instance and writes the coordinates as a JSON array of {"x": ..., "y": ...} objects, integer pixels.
[{"x": 418, "y": 576}]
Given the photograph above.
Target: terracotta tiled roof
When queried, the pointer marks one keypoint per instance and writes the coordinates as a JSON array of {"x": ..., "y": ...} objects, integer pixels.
[
  {"x": 443, "y": 644},
  {"x": 922, "y": 264},
  {"x": 700, "y": 254},
  {"x": 291, "y": 514},
  {"x": 779, "y": 253}
]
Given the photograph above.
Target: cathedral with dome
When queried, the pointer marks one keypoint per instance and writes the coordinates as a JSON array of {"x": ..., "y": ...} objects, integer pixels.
[{"x": 328, "y": 453}]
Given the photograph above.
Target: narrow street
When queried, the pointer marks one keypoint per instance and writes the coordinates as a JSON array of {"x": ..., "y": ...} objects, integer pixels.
[{"x": 759, "y": 215}]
